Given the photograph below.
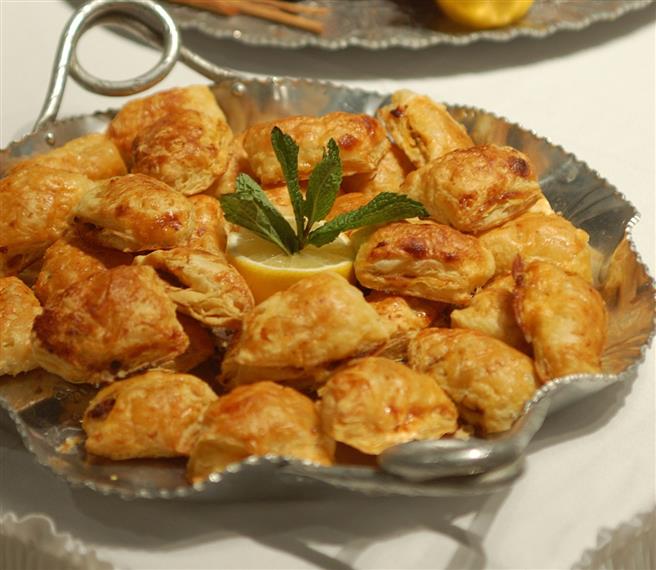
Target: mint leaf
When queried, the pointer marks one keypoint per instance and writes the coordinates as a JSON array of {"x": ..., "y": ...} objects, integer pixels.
[
  {"x": 245, "y": 211},
  {"x": 287, "y": 154},
  {"x": 259, "y": 215},
  {"x": 323, "y": 185},
  {"x": 385, "y": 207}
]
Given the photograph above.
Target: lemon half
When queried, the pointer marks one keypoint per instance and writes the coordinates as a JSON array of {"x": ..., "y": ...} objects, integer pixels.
[
  {"x": 268, "y": 270},
  {"x": 485, "y": 13}
]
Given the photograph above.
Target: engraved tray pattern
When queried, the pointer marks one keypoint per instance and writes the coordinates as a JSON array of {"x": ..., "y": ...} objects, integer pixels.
[{"x": 381, "y": 24}]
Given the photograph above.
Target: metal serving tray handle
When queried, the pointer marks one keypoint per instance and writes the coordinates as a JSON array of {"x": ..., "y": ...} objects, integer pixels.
[{"x": 430, "y": 468}]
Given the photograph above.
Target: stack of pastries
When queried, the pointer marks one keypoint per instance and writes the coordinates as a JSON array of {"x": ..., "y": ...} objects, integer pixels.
[{"x": 113, "y": 273}]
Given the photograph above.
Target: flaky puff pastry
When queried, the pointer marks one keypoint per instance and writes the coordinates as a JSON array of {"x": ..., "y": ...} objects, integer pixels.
[
  {"x": 18, "y": 309},
  {"x": 95, "y": 156},
  {"x": 260, "y": 419},
  {"x": 201, "y": 346},
  {"x": 488, "y": 380},
  {"x": 491, "y": 311},
  {"x": 405, "y": 317},
  {"x": 187, "y": 149},
  {"x": 374, "y": 403},
  {"x": 422, "y": 128},
  {"x": 361, "y": 140},
  {"x": 156, "y": 414},
  {"x": 295, "y": 334},
  {"x": 139, "y": 114},
  {"x": 210, "y": 225},
  {"x": 203, "y": 285},
  {"x": 37, "y": 206},
  {"x": 70, "y": 260},
  {"x": 134, "y": 213},
  {"x": 540, "y": 237},
  {"x": 108, "y": 326},
  {"x": 477, "y": 188},
  {"x": 388, "y": 176},
  {"x": 345, "y": 203},
  {"x": 563, "y": 317},
  {"x": 427, "y": 260}
]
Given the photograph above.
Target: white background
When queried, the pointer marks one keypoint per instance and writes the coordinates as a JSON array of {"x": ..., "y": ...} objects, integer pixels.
[{"x": 590, "y": 467}]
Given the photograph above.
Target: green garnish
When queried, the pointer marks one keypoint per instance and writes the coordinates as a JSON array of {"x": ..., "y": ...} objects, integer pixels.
[{"x": 250, "y": 207}]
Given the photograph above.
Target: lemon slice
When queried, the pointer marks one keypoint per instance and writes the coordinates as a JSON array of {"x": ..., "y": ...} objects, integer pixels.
[
  {"x": 485, "y": 13},
  {"x": 268, "y": 270}
]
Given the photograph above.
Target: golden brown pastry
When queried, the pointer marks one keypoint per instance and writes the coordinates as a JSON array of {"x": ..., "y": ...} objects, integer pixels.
[
  {"x": 70, "y": 260},
  {"x": 477, "y": 188},
  {"x": 108, "y": 326},
  {"x": 187, "y": 150},
  {"x": 388, "y": 176},
  {"x": 202, "y": 285},
  {"x": 491, "y": 312},
  {"x": 361, "y": 140},
  {"x": 95, "y": 156},
  {"x": 347, "y": 203},
  {"x": 540, "y": 237},
  {"x": 37, "y": 205},
  {"x": 374, "y": 403},
  {"x": 427, "y": 260},
  {"x": 405, "y": 317},
  {"x": 139, "y": 114},
  {"x": 422, "y": 128},
  {"x": 134, "y": 213},
  {"x": 201, "y": 346},
  {"x": 260, "y": 419},
  {"x": 156, "y": 414},
  {"x": 237, "y": 163},
  {"x": 563, "y": 317},
  {"x": 488, "y": 380},
  {"x": 18, "y": 309},
  {"x": 279, "y": 197},
  {"x": 209, "y": 229},
  {"x": 296, "y": 334}
]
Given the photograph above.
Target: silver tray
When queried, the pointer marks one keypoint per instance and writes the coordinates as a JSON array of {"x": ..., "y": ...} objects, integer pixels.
[
  {"x": 46, "y": 410},
  {"x": 380, "y": 24}
]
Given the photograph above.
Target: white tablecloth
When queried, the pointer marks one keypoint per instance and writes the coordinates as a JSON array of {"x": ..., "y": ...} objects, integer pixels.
[{"x": 591, "y": 466}]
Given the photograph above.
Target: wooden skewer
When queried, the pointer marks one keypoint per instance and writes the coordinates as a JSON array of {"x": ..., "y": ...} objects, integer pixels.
[
  {"x": 295, "y": 8},
  {"x": 256, "y": 8}
]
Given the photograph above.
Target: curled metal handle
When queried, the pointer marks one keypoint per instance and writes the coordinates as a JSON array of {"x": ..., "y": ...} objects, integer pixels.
[{"x": 149, "y": 14}]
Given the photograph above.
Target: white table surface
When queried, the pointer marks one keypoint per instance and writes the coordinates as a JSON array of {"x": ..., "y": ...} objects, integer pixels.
[{"x": 591, "y": 466}]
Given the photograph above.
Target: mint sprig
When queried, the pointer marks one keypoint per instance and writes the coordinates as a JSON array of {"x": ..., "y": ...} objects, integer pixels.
[{"x": 250, "y": 207}]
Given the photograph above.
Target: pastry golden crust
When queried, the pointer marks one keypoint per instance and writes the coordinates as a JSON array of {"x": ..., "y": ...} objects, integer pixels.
[
  {"x": 361, "y": 140},
  {"x": 563, "y": 317},
  {"x": 204, "y": 285},
  {"x": 134, "y": 213},
  {"x": 488, "y": 380},
  {"x": 405, "y": 317},
  {"x": 37, "y": 206},
  {"x": 112, "y": 324},
  {"x": 156, "y": 414},
  {"x": 540, "y": 237},
  {"x": 187, "y": 150},
  {"x": 491, "y": 312},
  {"x": 347, "y": 203},
  {"x": 477, "y": 188},
  {"x": 374, "y": 403},
  {"x": 422, "y": 128},
  {"x": 388, "y": 176},
  {"x": 201, "y": 346},
  {"x": 209, "y": 229},
  {"x": 237, "y": 163},
  {"x": 18, "y": 309},
  {"x": 260, "y": 419},
  {"x": 426, "y": 260},
  {"x": 139, "y": 114},
  {"x": 95, "y": 156},
  {"x": 296, "y": 333},
  {"x": 70, "y": 260}
]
